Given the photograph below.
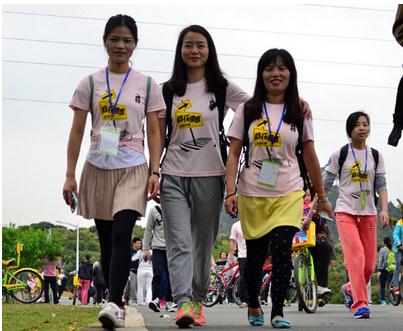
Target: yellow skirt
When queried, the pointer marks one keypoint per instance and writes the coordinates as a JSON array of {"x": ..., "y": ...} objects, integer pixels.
[{"x": 260, "y": 215}]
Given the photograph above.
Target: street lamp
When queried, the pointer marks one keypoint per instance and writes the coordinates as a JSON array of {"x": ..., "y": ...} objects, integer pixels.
[{"x": 78, "y": 241}]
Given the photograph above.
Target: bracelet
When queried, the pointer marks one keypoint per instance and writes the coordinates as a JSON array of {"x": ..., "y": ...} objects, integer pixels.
[
  {"x": 229, "y": 195},
  {"x": 155, "y": 173},
  {"x": 323, "y": 199}
]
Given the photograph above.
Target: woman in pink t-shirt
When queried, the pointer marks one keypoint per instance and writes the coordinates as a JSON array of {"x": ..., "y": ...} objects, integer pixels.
[
  {"x": 270, "y": 190},
  {"x": 360, "y": 176},
  {"x": 115, "y": 180}
]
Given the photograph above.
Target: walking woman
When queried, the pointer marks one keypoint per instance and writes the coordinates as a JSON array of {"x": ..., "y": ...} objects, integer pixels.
[
  {"x": 270, "y": 190},
  {"x": 361, "y": 172},
  {"x": 115, "y": 180},
  {"x": 192, "y": 184}
]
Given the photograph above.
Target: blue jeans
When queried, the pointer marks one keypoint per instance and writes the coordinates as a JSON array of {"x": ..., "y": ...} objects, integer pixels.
[{"x": 160, "y": 284}]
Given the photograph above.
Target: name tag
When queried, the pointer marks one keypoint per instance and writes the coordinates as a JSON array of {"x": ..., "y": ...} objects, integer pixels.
[
  {"x": 269, "y": 173},
  {"x": 363, "y": 199},
  {"x": 109, "y": 141}
]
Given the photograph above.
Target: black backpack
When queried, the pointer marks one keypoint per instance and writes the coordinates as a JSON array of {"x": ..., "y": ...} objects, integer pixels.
[
  {"x": 342, "y": 159},
  {"x": 220, "y": 97},
  {"x": 298, "y": 153}
]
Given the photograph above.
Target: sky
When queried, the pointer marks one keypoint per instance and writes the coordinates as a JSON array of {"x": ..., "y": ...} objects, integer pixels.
[{"x": 346, "y": 58}]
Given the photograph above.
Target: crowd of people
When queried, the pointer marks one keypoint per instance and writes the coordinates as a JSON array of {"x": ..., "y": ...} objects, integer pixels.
[{"x": 196, "y": 176}]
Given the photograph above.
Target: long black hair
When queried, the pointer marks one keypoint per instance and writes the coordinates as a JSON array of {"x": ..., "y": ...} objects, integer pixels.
[
  {"x": 214, "y": 77},
  {"x": 121, "y": 20},
  {"x": 388, "y": 242},
  {"x": 253, "y": 107}
]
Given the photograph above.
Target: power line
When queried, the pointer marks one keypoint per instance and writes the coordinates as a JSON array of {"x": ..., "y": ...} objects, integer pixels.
[
  {"x": 66, "y": 103},
  {"x": 220, "y": 54},
  {"x": 232, "y": 76},
  {"x": 318, "y": 35},
  {"x": 350, "y": 7}
]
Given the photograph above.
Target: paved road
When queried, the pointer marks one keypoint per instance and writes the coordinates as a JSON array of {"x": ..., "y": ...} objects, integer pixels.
[{"x": 229, "y": 317}]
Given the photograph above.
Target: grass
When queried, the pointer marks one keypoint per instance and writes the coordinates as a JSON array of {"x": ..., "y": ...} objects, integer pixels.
[{"x": 47, "y": 317}]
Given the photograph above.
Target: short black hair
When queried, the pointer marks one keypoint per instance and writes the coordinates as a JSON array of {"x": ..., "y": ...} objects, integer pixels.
[
  {"x": 121, "y": 20},
  {"x": 352, "y": 121},
  {"x": 88, "y": 257},
  {"x": 136, "y": 239},
  {"x": 388, "y": 242}
]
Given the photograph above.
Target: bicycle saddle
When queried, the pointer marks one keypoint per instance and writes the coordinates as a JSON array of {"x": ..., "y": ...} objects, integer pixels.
[{"x": 8, "y": 263}]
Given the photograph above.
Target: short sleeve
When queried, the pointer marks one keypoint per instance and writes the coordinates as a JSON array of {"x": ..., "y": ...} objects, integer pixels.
[
  {"x": 237, "y": 126},
  {"x": 233, "y": 235},
  {"x": 235, "y": 96},
  {"x": 307, "y": 133},
  {"x": 156, "y": 101},
  {"x": 332, "y": 164},
  {"x": 81, "y": 96},
  {"x": 381, "y": 165}
]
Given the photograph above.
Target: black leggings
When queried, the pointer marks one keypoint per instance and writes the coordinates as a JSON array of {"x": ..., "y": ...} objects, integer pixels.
[
  {"x": 115, "y": 241},
  {"x": 280, "y": 241}
]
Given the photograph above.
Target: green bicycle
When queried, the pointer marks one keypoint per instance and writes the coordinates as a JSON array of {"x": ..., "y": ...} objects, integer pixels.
[{"x": 25, "y": 285}]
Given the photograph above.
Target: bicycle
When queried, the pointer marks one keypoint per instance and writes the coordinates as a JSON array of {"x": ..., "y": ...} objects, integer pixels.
[
  {"x": 395, "y": 299},
  {"x": 25, "y": 284},
  {"x": 223, "y": 284}
]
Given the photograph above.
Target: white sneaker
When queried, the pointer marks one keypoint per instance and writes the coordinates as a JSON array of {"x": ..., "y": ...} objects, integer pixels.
[
  {"x": 155, "y": 305},
  {"x": 171, "y": 307},
  {"x": 243, "y": 305},
  {"x": 323, "y": 290},
  {"x": 112, "y": 316}
]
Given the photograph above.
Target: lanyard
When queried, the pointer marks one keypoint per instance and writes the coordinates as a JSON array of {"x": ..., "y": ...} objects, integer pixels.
[
  {"x": 113, "y": 107},
  {"x": 271, "y": 137},
  {"x": 362, "y": 176}
]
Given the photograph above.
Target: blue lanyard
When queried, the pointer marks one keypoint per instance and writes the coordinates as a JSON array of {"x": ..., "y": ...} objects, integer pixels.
[
  {"x": 362, "y": 176},
  {"x": 271, "y": 138},
  {"x": 113, "y": 107}
]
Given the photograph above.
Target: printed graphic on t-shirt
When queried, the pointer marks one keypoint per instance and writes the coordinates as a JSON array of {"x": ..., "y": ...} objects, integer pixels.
[
  {"x": 357, "y": 173},
  {"x": 186, "y": 119},
  {"x": 262, "y": 136},
  {"x": 120, "y": 112},
  {"x": 357, "y": 194}
]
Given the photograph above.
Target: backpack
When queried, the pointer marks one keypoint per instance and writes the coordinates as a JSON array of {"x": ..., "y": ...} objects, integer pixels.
[
  {"x": 220, "y": 97},
  {"x": 342, "y": 159},
  {"x": 391, "y": 262},
  {"x": 298, "y": 152}
]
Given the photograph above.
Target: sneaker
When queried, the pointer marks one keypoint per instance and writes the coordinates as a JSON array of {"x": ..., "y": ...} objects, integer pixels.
[
  {"x": 348, "y": 296},
  {"x": 243, "y": 305},
  {"x": 112, "y": 316},
  {"x": 171, "y": 307},
  {"x": 163, "y": 304},
  {"x": 363, "y": 312},
  {"x": 185, "y": 316},
  {"x": 383, "y": 302},
  {"x": 395, "y": 290},
  {"x": 154, "y": 305},
  {"x": 198, "y": 314},
  {"x": 323, "y": 290}
]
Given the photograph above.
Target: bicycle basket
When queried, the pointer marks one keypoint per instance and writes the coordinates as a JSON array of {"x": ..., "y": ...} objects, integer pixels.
[{"x": 305, "y": 239}]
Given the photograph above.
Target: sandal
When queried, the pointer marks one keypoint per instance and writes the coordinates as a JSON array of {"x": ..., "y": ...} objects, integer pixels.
[
  {"x": 256, "y": 320},
  {"x": 278, "y": 322}
]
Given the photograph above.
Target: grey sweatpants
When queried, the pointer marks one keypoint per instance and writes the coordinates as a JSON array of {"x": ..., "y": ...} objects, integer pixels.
[{"x": 191, "y": 208}]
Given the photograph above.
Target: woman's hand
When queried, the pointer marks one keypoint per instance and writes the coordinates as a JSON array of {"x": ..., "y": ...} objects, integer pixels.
[
  {"x": 70, "y": 185},
  {"x": 306, "y": 110},
  {"x": 152, "y": 187},
  {"x": 326, "y": 207},
  {"x": 231, "y": 205},
  {"x": 384, "y": 218}
]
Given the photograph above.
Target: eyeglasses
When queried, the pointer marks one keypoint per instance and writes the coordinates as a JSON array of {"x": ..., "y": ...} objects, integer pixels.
[{"x": 116, "y": 40}]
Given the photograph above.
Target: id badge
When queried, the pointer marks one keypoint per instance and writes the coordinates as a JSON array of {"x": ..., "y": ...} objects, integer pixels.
[
  {"x": 269, "y": 173},
  {"x": 363, "y": 199},
  {"x": 109, "y": 141}
]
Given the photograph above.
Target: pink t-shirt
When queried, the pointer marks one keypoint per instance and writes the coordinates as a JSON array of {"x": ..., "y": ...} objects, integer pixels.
[
  {"x": 289, "y": 178},
  {"x": 349, "y": 184},
  {"x": 50, "y": 267},
  {"x": 194, "y": 149},
  {"x": 129, "y": 113},
  {"x": 237, "y": 235}
]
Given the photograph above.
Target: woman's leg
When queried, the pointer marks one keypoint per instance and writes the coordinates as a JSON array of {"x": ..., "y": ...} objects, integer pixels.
[
  {"x": 398, "y": 258},
  {"x": 85, "y": 285},
  {"x": 46, "y": 284},
  {"x": 148, "y": 279},
  {"x": 382, "y": 283},
  {"x": 280, "y": 248},
  {"x": 123, "y": 223},
  {"x": 104, "y": 229},
  {"x": 141, "y": 275},
  {"x": 53, "y": 285}
]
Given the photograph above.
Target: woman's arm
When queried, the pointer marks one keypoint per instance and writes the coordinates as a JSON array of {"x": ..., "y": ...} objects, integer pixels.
[
  {"x": 230, "y": 203},
  {"x": 154, "y": 142},
  {"x": 73, "y": 151},
  {"x": 383, "y": 197},
  {"x": 313, "y": 167}
]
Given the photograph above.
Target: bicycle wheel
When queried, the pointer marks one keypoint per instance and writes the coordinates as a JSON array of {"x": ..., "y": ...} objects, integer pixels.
[
  {"x": 28, "y": 286},
  {"x": 236, "y": 290},
  {"x": 396, "y": 298},
  {"x": 305, "y": 284},
  {"x": 214, "y": 291}
]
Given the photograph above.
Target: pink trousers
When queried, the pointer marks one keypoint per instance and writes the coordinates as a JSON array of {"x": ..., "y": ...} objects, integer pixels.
[
  {"x": 358, "y": 240},
  {"x": 85, "y": 285}
]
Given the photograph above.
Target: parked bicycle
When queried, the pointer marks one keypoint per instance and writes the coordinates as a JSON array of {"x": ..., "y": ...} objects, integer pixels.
[
  {"x": 25, "y": 284},
  {"x": 223, "y": 284}
]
